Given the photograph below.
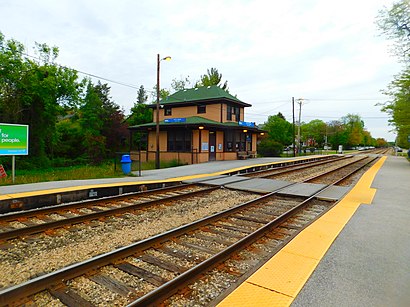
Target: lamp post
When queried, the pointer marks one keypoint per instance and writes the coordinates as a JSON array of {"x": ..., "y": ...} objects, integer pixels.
[{"x": 157, "y": 160}]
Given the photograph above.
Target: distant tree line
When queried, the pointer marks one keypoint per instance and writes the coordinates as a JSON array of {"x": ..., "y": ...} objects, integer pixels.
[
  {"x": 349, "y": 131},
  {"x": 71, "y": 120}
]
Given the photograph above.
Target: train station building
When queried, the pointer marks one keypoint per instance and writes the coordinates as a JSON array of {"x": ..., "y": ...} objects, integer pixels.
[{"x": 199, "y": 125}]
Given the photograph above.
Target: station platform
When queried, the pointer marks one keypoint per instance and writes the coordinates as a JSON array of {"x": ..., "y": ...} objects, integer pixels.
[
  {"x": 184, "y": 172},
  {"x": 357, "y": 254}
]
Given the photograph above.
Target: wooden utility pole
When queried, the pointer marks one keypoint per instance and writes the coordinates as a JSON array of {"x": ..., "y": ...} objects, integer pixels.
[{"x": 300, "y": 102}]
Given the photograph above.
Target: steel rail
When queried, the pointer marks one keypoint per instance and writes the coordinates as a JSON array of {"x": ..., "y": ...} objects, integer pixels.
[
  {"x": 40, "y": 283},
  {"x": 355, "y": 170},
  {"x": 7, "y": 217},
  {"x": 33, "y": 286},
  {"x": 6, "y": 235},
  {"x": 339, "y": 167},
  {"x": 294, "y": 168},
  {"x": 347, "y": 165},
  {"x": 172, "y": 286},
  {"x": 335, "y": 169}
]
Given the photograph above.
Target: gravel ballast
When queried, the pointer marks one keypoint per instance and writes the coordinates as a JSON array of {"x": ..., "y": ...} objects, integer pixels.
[{"x": 46, "y": 253}]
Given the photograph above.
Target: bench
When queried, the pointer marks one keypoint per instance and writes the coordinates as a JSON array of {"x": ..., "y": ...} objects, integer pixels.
[
  {"x": 252, "y": 154},
  {"x": 242, "y": 155}
]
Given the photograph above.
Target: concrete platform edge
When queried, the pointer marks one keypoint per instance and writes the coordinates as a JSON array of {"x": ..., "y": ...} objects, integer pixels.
[{"x": 8, "y": 196}]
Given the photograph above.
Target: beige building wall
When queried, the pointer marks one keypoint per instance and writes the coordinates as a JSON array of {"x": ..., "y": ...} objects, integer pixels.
[
  {"x": 204, "y": 139},
  {"x": 213, "y": 112},
  {"x": 254, "y": 140},
  {"x": 152, "y": 141},
  {"x": 219, "y": 141},
  {"x": 195, "y": 140}
]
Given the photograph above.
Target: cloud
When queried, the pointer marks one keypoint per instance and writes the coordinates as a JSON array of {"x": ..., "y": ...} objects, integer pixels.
[{"x": 268, "y": 51}]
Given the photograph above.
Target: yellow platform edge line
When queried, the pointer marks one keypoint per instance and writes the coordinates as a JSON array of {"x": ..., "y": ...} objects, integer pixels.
[
  {"x": 126, "y": 183},
  {"x": 285, "y": 274}
]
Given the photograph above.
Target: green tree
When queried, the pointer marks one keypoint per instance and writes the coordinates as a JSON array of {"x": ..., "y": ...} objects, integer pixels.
[
  {"x": 380, "y": 142},
  {"x": 140, "y": 113},
  {"x": 368, "y": 140},
  {"x": 181, "y": 84},
  {"x": 314, "y": 132},
  {"x": 337, "y": 134},
  {"x": 142, "y": 96},
  {"x": 35, "y": 92},
  {"x": 213, "y": 77},
  {"x": 70, "y": 141},
  {"x": 279, "y": 130},
  {"x": 354, "y": 127},
  {"x": 398, "y": 107},
  {"x": 102, "y": 122},
  {"x": 163, "y": 94},
  {"x": 394, "y": 23},
  {"x": 114, "y": 127}
]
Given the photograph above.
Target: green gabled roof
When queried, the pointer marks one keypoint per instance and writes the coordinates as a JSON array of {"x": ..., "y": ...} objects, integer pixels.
[
  {"x": 201, "y": 94},
  {"x": 193, "y": 120}
]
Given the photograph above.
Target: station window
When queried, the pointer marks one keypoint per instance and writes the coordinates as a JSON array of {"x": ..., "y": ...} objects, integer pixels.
[
  {"x": 201, "y": 109},
  {"x": 237, "y": 114},
  {"x": 228, "y": 112},
  {"x": 229, "y": 140},
  {"x": 233, "y": 110},
  {"x": 167, "y": 111},
  {"x": 235, "y": 140},
  {"x": 179, "y": 140}
]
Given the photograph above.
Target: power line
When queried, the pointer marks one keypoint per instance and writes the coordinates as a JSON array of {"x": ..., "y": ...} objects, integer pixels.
[
  {"x": 346, "y": 99},
  {"x": 88, "y": 74}
]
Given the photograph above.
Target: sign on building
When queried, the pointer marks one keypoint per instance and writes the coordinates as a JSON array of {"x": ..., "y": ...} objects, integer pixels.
[
  {"x": 246, "y": 124},
  {"x": 175, "y": 120},
  {"x": 13, "y": 139}
]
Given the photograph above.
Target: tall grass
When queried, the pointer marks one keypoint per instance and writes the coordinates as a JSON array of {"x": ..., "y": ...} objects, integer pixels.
[
  {"x": 62, "y": 173},
  {"x": 106, "y": 170}
]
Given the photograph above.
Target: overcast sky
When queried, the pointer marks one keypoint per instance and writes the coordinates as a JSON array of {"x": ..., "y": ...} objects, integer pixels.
[{"x": 327, "y": 52}]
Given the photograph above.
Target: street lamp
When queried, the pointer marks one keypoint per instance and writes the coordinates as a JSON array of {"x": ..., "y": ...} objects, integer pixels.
[{"x": 157, "y": 163}]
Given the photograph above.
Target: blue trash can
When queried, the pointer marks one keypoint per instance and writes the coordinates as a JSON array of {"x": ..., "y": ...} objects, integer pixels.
[{"x": 126, "y": 164}]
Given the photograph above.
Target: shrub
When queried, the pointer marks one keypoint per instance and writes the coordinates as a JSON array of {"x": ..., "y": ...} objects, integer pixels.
[{"x": 269, "y": 148}]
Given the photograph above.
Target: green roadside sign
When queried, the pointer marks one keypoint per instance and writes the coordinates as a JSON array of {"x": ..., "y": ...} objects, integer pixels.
[{"x": 13, "y": 139}]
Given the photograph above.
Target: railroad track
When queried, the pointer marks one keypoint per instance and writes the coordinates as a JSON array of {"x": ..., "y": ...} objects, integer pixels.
[
  {"x": 193, "y": 247},
  {"x": 31, "y": 222},
  {"x": 44, "y": 219},
  {"x": 277, "y": 170},
  {"x": 159, "y": 266},
  {"x": 306, "y": 173},
  {"x": 345, "y": 171},
  {"x": 377, "y": 151}
]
